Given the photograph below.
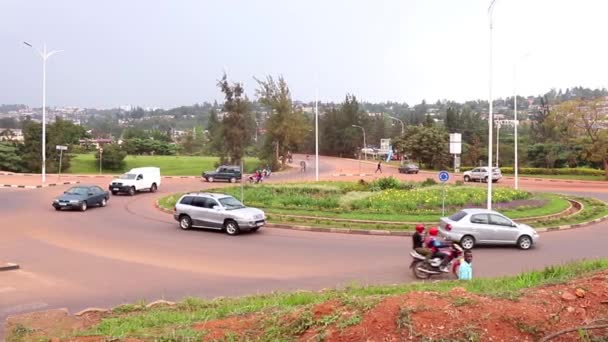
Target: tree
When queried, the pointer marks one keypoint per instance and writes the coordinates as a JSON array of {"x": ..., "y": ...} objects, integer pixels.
[
  {"x": 338, "y": 136},
  {"x": 113, "y": 157},
  {"x": 286, "y": 127},
  {"x": 234, "y": 130},
  {"x": 10, "y": 157},
  {"x": 473, "y": 151},
  {"x": 428, "y": 145},
  {"x": 584, "y": 122}
]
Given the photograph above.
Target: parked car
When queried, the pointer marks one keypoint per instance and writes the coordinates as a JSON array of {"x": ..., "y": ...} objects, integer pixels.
[
  {"x": 138, "y": 179},
  {"x": 470, "y": 227},
  {"x": 229, "y": 173},
  {"x": 481, "y": 174},
  {"x": 409, "y": 168},
  {"x": 81, "y": 197},
  {"x": 217, "y": 211}
]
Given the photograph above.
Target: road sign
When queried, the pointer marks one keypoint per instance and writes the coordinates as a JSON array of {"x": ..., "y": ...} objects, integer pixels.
[
  {"x": 444, "y": 176},
  {"x": 61, "y": 148}
]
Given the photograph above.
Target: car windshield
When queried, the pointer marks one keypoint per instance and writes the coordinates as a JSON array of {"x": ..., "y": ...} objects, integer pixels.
[
  {"x": 128, "y": 176},
  {"x": 458, "y": 216},
  {"x": 77, "y": 191},
  {"x": 231, "y": 203}
]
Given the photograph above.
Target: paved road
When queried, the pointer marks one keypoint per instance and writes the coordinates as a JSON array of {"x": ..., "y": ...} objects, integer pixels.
[{"x": 130, "y": 251}]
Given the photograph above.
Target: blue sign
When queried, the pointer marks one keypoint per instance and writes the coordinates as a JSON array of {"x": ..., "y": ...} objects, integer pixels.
[{"x": 444, "y": 176}]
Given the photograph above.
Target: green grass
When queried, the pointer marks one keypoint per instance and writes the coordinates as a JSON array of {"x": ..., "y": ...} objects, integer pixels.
[
  {"x": 566, "y": 177},
  {"x": 593, "y": 209},
  {"x": 151, "y": 323},
  {"x": 169, "y": 165},
  {"x": 282, "y": 203}
]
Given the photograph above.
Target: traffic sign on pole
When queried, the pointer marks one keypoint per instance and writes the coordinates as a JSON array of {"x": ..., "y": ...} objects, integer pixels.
[
  {"x": 444, "y": 176},
  {"x": 61, "y": 148}
]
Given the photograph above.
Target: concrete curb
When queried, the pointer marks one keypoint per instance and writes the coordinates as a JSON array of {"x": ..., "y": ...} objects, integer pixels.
[
  {"x": 37, "y": 186},
  {"x": 8, "y": 266},
  {"x": 352, "y": 174},
  {"x": 388, "y": 232}
]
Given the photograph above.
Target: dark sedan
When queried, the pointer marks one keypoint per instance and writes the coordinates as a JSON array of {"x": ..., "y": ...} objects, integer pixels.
[
  {"x": 81, "y": 197},
  {"x": 408, "y": 168}
]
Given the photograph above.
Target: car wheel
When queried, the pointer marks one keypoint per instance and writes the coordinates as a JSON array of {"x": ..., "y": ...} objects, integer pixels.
[
  {"x": 57, "y": 208},
  {"x": 103, "y": 202},
  {"x": 83, "y": 206},
  {"x": 485, "y": 179},
  {"x": 232, "y": 228},
  {"x": 153, "y": 188},
  {"x": 467, "y": 178},
  {"x": 132, "y": 191},
  {"x": 114, "y": 193},
  {"x": 467, "y": 242},
  {"x": 210, "y": 179},
  {"x": 255, "y": 229},
  {"x": 185, "y": 222},
  {"x": 232, "y": 180},
  {"x": 416, "y": 172},
  {"x": 524, "y": 242}
]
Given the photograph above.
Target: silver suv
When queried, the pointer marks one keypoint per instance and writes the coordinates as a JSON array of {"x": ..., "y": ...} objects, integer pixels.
[
  {"x": 481, "y": 174},
  {"x": 217, "y": 211}
]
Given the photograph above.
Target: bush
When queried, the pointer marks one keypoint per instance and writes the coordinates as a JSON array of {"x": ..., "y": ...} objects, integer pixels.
[
  {"x": 429, "y": 182},
  {"x": 113, "y": 157},
  {"x": 386, "y": 183}
]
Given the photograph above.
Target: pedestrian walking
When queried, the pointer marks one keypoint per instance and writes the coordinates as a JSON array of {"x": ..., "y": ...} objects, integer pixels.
[{"x": 379, "y": 168}]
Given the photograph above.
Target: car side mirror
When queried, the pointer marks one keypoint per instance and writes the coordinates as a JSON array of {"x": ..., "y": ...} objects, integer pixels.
[{"x": 217, "y": 208}]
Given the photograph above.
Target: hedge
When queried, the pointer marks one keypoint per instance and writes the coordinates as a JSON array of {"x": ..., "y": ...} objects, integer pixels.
[{"x": 542, "y": 171}]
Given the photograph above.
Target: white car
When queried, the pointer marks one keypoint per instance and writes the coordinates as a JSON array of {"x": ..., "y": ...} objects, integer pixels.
[
  {"x": 138, "y": 179},
  {"x": 481, "y": 174}
]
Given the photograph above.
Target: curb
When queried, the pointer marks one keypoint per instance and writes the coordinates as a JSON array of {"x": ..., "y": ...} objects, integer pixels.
[
  {"x": 389, "y": 232},
  {"x": 37, "y": 186},
  {"x": 352, "y": 174},
  {"x": 8, "y": 266}
]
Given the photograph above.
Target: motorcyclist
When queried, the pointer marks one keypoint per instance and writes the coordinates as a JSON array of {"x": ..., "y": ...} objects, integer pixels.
[
  {"x": 435, "y": 244},
  {"x": 418, "y": 239}
]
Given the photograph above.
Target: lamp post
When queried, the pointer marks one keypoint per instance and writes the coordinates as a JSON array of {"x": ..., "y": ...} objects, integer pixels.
[
  {"x": 490, "y": 114},
  {"x": 516, "y": 122},
  {"x": 44, "y": 55},
  {"x": 317, "y": 135},
  {"x": 402, "y": 125},
  {"x": 364, "y": 143}
]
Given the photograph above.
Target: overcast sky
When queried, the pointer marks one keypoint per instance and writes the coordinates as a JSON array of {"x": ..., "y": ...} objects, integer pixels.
[{"x": 171, "y": 53}]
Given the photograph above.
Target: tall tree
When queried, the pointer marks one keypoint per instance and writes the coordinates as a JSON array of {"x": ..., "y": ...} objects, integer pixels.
[
  {"x": 584, "y": 122},
  {"x": 234, "y": 128},
  {"x": 286, "y": 127}
]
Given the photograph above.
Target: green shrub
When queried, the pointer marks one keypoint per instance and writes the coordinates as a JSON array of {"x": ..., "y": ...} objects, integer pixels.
[
  {"x": 387, "y": 183},
  {"x": 429, "y": 182}
]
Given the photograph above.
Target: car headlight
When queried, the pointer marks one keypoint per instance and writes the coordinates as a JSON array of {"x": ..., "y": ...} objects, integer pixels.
[
  {"x": 55, "y": 201},
  {"x": 74, "y": 201}
]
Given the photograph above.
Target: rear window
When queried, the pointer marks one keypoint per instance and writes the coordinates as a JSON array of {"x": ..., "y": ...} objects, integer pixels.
[
  {"x": 458, "y": 216},
  {"x": 187, "y": 200}
]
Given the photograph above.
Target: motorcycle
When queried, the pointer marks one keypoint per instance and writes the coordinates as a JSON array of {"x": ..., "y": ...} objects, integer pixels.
[
  {"x": 266, "y": 172},
  {"x": 424, "y": 268},
  {"x": 254, "y": 179}
]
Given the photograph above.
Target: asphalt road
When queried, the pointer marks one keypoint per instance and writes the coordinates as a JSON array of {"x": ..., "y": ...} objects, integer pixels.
[{"x": 130, "y": 251}]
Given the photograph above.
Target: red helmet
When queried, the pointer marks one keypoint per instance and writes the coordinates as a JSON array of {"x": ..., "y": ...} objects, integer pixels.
[
  {"x": 433, "y": 231},
  {"x": 419, "y": 228}
]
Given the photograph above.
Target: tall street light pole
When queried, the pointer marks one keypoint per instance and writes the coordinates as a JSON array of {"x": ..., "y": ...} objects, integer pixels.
[
  {"x": 317, "y": 135},
  {"x": 402, "y": 125},
  {"x": 490, "y": 114},
  {"x": 516, "y": 122},
  {"x": 364, "y": 143},
  {"x": 45, "y": 55}
]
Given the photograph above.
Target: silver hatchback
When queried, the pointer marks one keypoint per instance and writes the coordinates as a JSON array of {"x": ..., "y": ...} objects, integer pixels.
[
  {"x": 217, "y": 211},
  {"x": 470, "y": 227}
]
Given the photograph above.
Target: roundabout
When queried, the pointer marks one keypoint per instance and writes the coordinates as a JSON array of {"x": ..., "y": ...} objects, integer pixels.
[{"x": 130, "y": 251}]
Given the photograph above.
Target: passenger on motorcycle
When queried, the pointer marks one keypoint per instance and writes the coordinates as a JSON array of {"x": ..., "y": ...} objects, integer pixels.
[
  {"x": 418, "y": 241},
  {"x": 465, "y": 266},
  {"x": 435, "y": 245}
]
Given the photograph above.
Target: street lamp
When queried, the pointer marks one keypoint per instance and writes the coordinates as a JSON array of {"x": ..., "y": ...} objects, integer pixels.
[
  {"x": 402, "y": 125},
  {"x": 515, "y": 116},
  {"x": 45, "y": 55},
  {"x": 364, "y": 143},
  {"x": 490, "y": 114},
  {"x": 317, "y": 135}
]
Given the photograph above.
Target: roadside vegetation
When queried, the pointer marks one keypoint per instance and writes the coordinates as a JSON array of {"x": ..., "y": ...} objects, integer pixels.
[
  {"x": 388, "y": 204},
  {"x": 169, "y": 165},
  {"x": 304, "y": 314}
]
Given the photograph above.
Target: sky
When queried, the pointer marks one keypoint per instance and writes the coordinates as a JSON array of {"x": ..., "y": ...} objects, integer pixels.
[{"x": 154, "y": 53}]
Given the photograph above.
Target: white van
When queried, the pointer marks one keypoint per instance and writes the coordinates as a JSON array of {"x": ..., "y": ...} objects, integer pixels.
[{"x": 141, "y": 178}]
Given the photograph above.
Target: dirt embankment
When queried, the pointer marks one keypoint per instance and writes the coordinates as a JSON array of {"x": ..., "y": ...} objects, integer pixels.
[{"x": 457, "y": 315}]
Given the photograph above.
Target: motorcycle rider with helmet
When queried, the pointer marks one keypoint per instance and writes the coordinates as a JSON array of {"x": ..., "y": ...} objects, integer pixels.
[
  {"x": 418, "y": 239},
  {"x": 435, "y": 244}
]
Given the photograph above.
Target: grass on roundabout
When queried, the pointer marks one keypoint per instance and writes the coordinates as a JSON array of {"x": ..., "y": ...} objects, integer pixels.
[{"x": 387, "y": 204}]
